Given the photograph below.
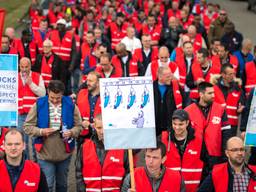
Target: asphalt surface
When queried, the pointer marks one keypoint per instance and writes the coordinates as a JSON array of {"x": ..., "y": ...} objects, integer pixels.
[{"x": 244, "y": 20}]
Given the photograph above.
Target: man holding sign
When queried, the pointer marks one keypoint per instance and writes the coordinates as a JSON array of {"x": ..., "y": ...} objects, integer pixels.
[
  {"x": 154, "y": 176},
  {"x": 99, "y": 169}
]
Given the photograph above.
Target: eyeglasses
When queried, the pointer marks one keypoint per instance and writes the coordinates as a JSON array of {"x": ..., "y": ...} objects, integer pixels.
[
  {"x": 235, "y": 150},
  {"x": 164, "y": 57},
  {"x": 223, "y": 14}
]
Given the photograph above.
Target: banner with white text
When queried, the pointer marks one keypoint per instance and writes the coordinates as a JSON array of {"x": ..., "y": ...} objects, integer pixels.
[
  {"x": 8, "y": 90},
  {"x": 128, "y": 112}
]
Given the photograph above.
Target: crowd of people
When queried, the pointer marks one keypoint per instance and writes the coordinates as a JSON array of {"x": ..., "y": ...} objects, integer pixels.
[{"x": 203, "y": 73}]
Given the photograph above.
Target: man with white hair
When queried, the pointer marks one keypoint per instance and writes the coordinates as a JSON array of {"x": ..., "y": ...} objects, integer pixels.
[
  {"x": 130, "y": 41},
  {"x": 30, "y": 87},
  {"x": 48, "y": 64}
]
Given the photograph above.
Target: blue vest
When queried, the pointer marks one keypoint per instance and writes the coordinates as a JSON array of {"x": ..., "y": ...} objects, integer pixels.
[{"x": 67, "y": 117}]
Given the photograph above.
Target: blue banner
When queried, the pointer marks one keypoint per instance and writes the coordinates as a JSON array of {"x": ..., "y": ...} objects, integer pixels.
[{"x": 8, "y": 90}]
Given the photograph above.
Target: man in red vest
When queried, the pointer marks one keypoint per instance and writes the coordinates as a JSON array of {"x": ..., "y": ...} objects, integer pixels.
[
  {"x": 228, "y": 93},
  {"x": 167, "y": 98},
  {"x": 233, "y": 175},
  {"x": 6, "y": 46},
  {"x": 155, "y": 176},
  {"x": 211, "y": 122},
  {"x": 30, "y": 87},
  {"x": 106, "y": 69},
  {"x": 16, "y": 173},
  {"x": 126, "y": 62},
  {"x": 186, "y": 151},
  {"x": 97, "y": 168},
  {"x": 88, "y": 102},
  {"x": 48, "y": 64}
]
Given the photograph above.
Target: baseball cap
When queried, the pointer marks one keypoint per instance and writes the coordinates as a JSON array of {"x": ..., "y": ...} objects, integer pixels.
[
  {"x": 62, "y": 21},
  {"x": 180, "y": 114}
]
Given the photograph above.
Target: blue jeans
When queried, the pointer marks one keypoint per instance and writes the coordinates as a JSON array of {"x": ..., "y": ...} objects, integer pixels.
[{"x": 56, "y": 172}]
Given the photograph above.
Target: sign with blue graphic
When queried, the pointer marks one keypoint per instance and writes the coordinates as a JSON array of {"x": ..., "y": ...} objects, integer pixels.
[
  {"x": 250, "y": 135},
  {"x": 8, "y": 90},
  {"x": 128, "y": 112}
]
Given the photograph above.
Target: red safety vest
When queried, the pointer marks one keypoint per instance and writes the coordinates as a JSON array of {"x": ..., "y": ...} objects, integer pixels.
[
  {"x": 139, "y": 55},
  {"x": 198, "y": 42},
  {"x": 117, "y": 34},
  {"x": 220, "y": 178},
  {"x": 207, "y": 20},
  {"x": 190, "y": 165},
  {"x": 171, "y": 181},
  {"x": 133, "y": 66},
  {"x": 155, "y": 32},
  {"x": 32, "y": 50},
  {"x": 180, "y": 61},
  {"x": 250, "y": 70},
  {"x": 12, "y": 50},
  {"x": 106, "y": 177},
  {"x": 26, "y": 97},
  {"x": 232, "y": 60},
  {"x": 85, "y": 51},
  {"x": 28, "y": 181},
  {"x": 84, "y": 107},
  {"x": 230, "y": 103},
  {"x": 53, "y": 18},
  {"x": 46, "y": 69},
  {"x": 209, "y": 128},
  {"x": 38, "y": 40},
  {"x": 155, "y": 66},
  {"x": 63, "y": 47},
  {"x": 114, "y": 73},
  {"x": 198, "y": 73},
  {"x": 177, "y": 94}
]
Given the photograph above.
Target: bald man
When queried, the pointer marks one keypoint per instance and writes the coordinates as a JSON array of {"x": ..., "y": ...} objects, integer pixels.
[
  {"x": 233, "y": 175},
  {"x": 48, "y": 64},
  {"x": 163, "y": 60},
  {"x": 126, "y": 62}
]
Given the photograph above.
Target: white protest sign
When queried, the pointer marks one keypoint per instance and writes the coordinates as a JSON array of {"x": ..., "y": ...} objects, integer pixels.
[{"x": 128, "y": 112}]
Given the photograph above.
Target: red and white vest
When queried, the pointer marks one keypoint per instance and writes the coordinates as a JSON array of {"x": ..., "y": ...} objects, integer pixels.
[
  {"x": 171, "y": 181},
  {"x": 28, "y": 181},
  {"x": 84, "y": 107},
  {"x": 117, "y": 34},
  {"x": 155, "y": 65},
  {"x": 230, "y": 103},
  {"x": 190, "y": 165},
  {"x": 220, "y": 178},
  {"x": 250, "y": 70},
  {"x": 46, "y": 69},
  {"x": 63, "y": 47},
  {"x": 106, "y": 177},
  {"x": 26, "y": 97},
  {"x": 210, "y": 128}
]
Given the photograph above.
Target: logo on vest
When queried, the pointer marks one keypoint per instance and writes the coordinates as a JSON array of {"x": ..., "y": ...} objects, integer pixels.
[
  {"x": 216, "y": 120},
  {"x": 114, "y": 159},
  {"x": 192, "y": 152},
  {"x": 235, "y": 95},
  {"x": 26, "y": 182}
]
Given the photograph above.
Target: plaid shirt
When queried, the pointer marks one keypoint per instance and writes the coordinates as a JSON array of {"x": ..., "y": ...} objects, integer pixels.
[{"x": 241, "y": 180}]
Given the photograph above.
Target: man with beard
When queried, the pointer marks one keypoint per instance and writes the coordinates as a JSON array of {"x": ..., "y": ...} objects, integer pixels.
[
  {"x": 233, "y": 175},
  {"x": 88, "y": 101},
  {"x": 211, "y": 122}
]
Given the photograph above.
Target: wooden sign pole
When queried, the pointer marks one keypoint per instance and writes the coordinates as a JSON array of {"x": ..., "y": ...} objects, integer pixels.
[{"x": 131, "y": 169}]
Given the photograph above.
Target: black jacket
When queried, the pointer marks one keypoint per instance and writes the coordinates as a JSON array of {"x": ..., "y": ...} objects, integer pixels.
[{"x": 164, "y": 108}]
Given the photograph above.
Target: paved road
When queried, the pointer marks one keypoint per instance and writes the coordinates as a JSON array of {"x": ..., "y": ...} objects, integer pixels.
[{"x": 245, "y": 21}]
